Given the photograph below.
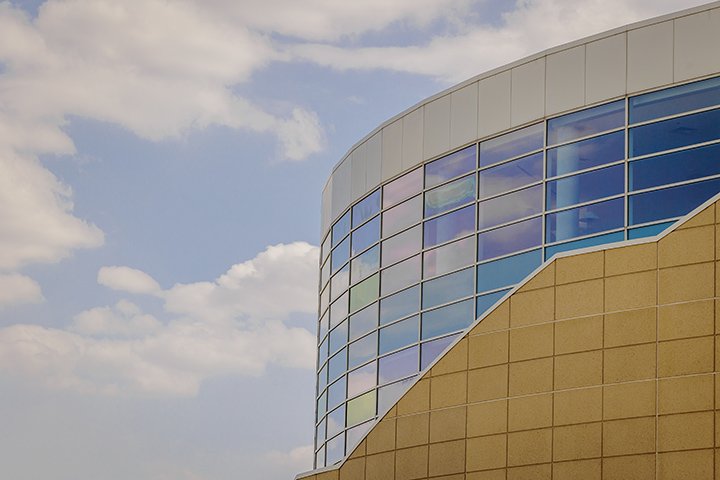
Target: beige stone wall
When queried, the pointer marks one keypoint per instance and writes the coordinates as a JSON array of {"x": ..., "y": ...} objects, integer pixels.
[{"x": 602, "y": 366}]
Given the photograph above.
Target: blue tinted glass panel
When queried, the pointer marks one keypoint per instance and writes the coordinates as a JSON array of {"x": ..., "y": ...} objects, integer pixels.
[
  {"x": 322, "y": 406},
  {"x": 512, "y": 206},
  {"x": 401, "y": 246},
  {"x": 324, "y": 325},
  {"x": 323, "y": 351},
  {"x": 585, "y": 187},
  {"x": 448, "y": 288},
  {"x": 340, "y": 255},
  {"x": 511, "y": 175},
  {"x": 324, "y": 299},
  {"x": 586, "y": 154},
  {"x": 670, "y": 202},
  {"x": 584, "y": 243},
  {"x": 507, "y": 271},
  {"x": 400, "y": 275},
  {"x": 429, "y": 351},
  {"x": 365, "y": 265},
  {"x": 336, "y": 393},
  {"x": 449, "y": 196},
  {"x": 340, "y": 229},
  {"x": 361, "y": 409},
  {"x": 511, "y": 145},
  {"x": 586, "y": 122},
  {"x": 398, "y": 365},
  {"x": 363, "y": 350},
  {"x": 450, "y": 318},
  {"x": 402, "y": 216},
  {"x": 362, "y": 379},
  {"x": 675, "y": 133},
  {"x": 320, "y": 432},
  {"x": 363, "y": 321},
  {"x": 398, "y": 335},
  {"x": 366, "y": 208},
  {"x": 402, "y": 188},
  {"x": 339, "y": 310},
  {"x": 366, "y": 235},
  {"x": 450, "y": 166},
  {"x": 337, "y": 365},
  {"x": 449, "y": 227},
  {"x": 675, "y": 167},
  {"x": 672, "y": 101},
  {"x": 335, "y": 450},
  {"x": 486, "y": 301},
  {"x": 649, "y": 231},
  {"x": 400, "y": 305},
  {"x": 449, "y": 257},
  {"x": 586, "y": 220},
  {"x": 335, "y": 422},
  {"x": 322, "y": 378},
  {"x": 512, "y": 238},
  {"x": 340, "y": 282},
  {"x": 390, "y": 394}
]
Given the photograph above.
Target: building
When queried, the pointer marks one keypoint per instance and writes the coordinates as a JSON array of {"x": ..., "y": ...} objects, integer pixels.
[{"x": 526, "y": 261}]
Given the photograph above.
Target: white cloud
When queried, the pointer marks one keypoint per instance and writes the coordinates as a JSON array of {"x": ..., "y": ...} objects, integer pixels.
[
  {"x": 18, "y": 289},
  {"x": 299, "y": 459},
  {"x": 234, "y": 325},
  {"x": 126, "y": 279}
]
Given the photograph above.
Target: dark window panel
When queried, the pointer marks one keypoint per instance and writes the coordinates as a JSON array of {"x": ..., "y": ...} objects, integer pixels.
[
  {"x": 585, "y": 242},
  {"x": 366, "y": 235},
  {"x": 447, "y": 319},
  {"x": 340, "y": 229},
  {"x": 340, "y": 255},
  {"x": 507, "y": 271},
  {"x": 450, "y": 226},
  {"x": 584, "y": 154},
  {"x": 585, "y": 220},
  {"x": 586, "y": 187},
  {"x": 450, "y": 166},
  {"x": 512, "y": 206},
  {"x": 586, "y": 122},
  {"x": 486, "y": 301},
  {"x": 366, "y": 208},
  {"x": 670, "y": 202},
  {"x": 511, "y": 175},
  {"x": 672, "y": 101},
  {"x": 675, "y": 133},
  {"x": 511, "y": 238},
  {"x": 511, "y": 145},
  {"x": 675, "y": 167}
]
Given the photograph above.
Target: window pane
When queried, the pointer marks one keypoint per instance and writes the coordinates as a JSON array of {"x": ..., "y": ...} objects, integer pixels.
[
  {"x": 361, "y": 408},
  {"x": 326, "y": 247},
  {"x": 401, "y": 246},
  {"x": 449, "y": 257},
  {"x": 402, "y": 216},
  {"x": 320, "y": 432},
  {"x": 399, "y": 364},
  {"x": 340, "y": 282},
  {"x": 448, "y": 227},
  {"x": 507, "y": 271},
  {"x": 675, "y": 167},
  {"x": 402, "y": 188},
  {"x": 400, "y": 305},
  {"x": 323, "y": 351},
  {"x": 450, "y": 166},
  {"x": 320, "y": 458},
  {"x": 585, "y": 187},
  {"x": 324, "y": 274},
  {"x": 336, "y": 421},
  {"x": 429, "y": 351},
  {"x": 512, "y": 206},
  {"x": 675, "y": 133},
  {"x": 586, "y": 153},
  {"x": 340, "y": 229},
  {"x": 366, "y": 208},
  {"x": 584, "y": 243},
  {"x": 511, "y": 175},
  {"x": 322, "y": 405},
  {"x": 400, "y": 275},
  {"x": 355, "y": 434},
  {"x": 340, "y": 255},
  {"x": 362, "y": 379},
  {"x": 586, "y": 220},
  {"x": 338, "y": 310},
  {"x": 448, "y": 319},
  {"x": 338, "y": 337},
  {"x": 670, "y": 202},
  {"x": 324, "y": 299},
  {"x": 322, "y": 378},
  {"x": 390, "y": 394},
  {"x": 486, "y": 301},
  {"x": 366, "y": 235},
  {"x": 323, "y": 325},
  {"x": 337, "y": 365},
  {"x": 512, "y": 238},
  {"x": 449, "y": 196},
  {"x": 364, "y": 321},
  {"x": 336, "y": 393},
  {"x": 445, "y": 289},
  {"x": 512, "y": 144},
  {"x": 649, "y": 231},
  {"x": 362, "y": 350},
  {"x": 586, "y": 122},
  {"x": 364, "y": 293},
  {"x": 398, "y": 335},
  {"x": 672, "y": 101},
  {"x": 365, "y": 265},
  {"x": 335, "y": 450}
]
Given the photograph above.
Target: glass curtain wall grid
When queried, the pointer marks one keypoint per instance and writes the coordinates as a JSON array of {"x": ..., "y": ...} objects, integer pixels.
[{"x": 412, "y": 264}]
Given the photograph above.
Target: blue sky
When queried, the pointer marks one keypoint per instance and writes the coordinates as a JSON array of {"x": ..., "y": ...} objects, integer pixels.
[{"x": 161, "y": 165}]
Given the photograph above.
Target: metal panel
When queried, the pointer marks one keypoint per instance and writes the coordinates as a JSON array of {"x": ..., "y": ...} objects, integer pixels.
[
  {"x": 341, "y": 188},
  {"x": 697, "y": 45},
  {"x": 528, "y": 92},
  {"x": 463, "y": 115},
  {"x": 650, "y": 56},
  {"x": 391, "y": 149},
  {"x": 565, "y": 88},
  {"x": 412, "y": 142},
  {"x": 358, "y": 168},
  {"x": 373, "y": 158},
  {"x": 436, "y": 127},
  {"x": 494, "y": 104},
  {"x": 606, "y": 67}
]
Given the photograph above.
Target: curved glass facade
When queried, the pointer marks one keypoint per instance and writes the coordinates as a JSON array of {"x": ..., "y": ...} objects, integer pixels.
[{"x": 414, "y": 262}]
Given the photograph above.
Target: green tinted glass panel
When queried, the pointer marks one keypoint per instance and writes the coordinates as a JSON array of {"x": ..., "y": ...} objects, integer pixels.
[
  {"x": 364, "y": 293},
  {"x": 361, "y": 408}
]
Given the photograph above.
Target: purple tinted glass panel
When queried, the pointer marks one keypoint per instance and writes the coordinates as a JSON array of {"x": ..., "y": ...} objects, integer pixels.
[
  {"x": 447, "y": 319},
  {"x": 363, "y": 321},
  {"x": 402, "y": 188},
  {"x": 586, "y": 122},
  {"x": 511, "y": 175},
  {"x": 402, "y": 216},
  {"x": 389, "y": 394},
  {"x": 362, "y": 379},
  {"x": 402, "y": 245},
  {"x": 509, "y": 239},
  {"x": 450, "y": 195},
  {"x": 450, "y": 166},
  {"x": 366, "y": 208},
  {"x": 362, "y": 350},
  {"x": 511, "y": 145},
  {"x": 512, "y": 206},
  {"x": 448, "y": 227},
  {"x": 400, "y": 305},
  {"x": 429, "y": 351},
  {"x": 400, "y": 275},
  {"x": 586, "y": 220},
  {"x": 398, "y": 365}
]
